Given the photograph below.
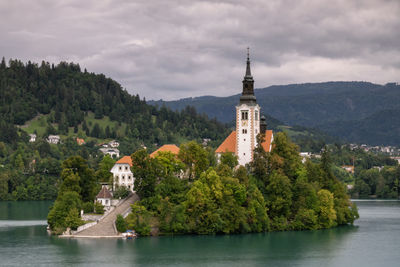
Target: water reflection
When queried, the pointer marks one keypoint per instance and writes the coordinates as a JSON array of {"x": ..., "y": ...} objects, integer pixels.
[{"x": 372, "y": 241}]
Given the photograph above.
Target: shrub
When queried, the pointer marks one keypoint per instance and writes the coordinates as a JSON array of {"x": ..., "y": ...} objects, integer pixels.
[
  {"x": 98, "y": 208},
  {"x": 88, "y": 207},
  {"x": 121, "y": 192},
  {"x": 120, "y": 224}
]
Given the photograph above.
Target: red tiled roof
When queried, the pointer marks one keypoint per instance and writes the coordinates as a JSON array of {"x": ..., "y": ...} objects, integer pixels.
[
  {"x": 80, "y": 141},
  {"x": 166, "y": 148},
  {"x": 104, "y": 193},
  {"x": 125, "y": 160},
  {"x": 229, "y": 144},
  {"x": 267, "y": 140}
]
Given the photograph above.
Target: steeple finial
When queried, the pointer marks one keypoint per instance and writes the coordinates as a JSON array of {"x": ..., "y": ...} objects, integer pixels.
[{"x": 248, "y": 71}]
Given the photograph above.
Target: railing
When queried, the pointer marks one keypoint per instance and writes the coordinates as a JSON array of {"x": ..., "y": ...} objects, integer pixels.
[{"x": 83, "y": 227}]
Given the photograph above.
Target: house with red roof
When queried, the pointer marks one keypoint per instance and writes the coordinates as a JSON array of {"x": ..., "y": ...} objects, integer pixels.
[
  {"x": 166, "y": 148},
  {"x": 104, "y": 197},
  {"x": 122, "y": 174}
]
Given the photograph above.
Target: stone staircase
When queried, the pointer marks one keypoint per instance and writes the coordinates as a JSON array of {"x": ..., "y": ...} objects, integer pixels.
[{"x": 105, "y": 227}]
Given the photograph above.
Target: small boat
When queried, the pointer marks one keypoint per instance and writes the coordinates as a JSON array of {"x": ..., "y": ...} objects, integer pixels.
[{"x": 129, "y": 234}]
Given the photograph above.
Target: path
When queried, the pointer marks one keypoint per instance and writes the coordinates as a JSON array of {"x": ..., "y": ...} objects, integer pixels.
[{"x": 105, "y": 227}]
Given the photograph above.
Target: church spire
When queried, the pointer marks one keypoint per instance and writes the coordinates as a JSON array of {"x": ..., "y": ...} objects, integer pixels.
[
  {"x": 248, "y": 84},
  {"x": 248, "y": 71}
]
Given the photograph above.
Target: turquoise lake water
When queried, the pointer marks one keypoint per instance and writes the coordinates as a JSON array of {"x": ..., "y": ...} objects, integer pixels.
[{"x": 374, "y": 240}]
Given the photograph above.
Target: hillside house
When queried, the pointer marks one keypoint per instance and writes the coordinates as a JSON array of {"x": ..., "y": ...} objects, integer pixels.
[
  {"x": 348, "y": 168},
  {"x": 53, "y": 139},
  {"x": 80, "y": 141},
  {"x": 122, "y": 174},
  {"x": 104, "y": 197},
  {"x": 113, "y": 143},
  {"x": 32, "y": 138},
  {"x": 113, "y": 152}
]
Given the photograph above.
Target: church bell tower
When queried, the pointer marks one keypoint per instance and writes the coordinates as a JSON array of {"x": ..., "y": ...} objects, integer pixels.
[{"x": 247, "y": 118}]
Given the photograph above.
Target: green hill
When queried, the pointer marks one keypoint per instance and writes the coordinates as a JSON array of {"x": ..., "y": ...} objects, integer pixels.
[
  {"x": 58, "y": 99},
  {"x": 47, "y": 99},
  {"x": 333, "y": 107}
]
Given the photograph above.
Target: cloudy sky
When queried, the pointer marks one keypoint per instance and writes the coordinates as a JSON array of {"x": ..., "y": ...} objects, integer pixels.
[{"x": 173, "y": 49}]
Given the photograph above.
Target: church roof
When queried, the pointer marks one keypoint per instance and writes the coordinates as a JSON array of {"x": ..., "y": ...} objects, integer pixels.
[
  {"x": 166, "y": 148},
  {"x": 125, "y": 160},
  {"x": 267, "y": 140},
  {"x": 104, "y": 193},
  {"x": 229, "y": 144}
]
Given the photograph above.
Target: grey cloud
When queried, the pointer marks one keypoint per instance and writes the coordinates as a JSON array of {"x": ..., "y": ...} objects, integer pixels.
[{"x": 173, "y": 49}]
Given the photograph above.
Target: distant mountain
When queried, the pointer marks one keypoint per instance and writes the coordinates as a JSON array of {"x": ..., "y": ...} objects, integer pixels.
[
  {"x": 380, "y": 128},
  {"x": 339, "y": 108}
]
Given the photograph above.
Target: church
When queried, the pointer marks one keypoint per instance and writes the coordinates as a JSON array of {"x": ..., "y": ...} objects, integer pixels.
[{"x": 249, "y": 123}]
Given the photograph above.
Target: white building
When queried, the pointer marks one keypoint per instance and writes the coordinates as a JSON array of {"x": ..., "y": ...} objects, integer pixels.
[
  {"x": 249, "y": 124},
  {"x": 113, "y": 152},
  {"x": 104, "y": 197},
  {"x": 122, "y": 175},
  {"x": 304, "y": 156},
  {"x": 32, "y": 138},
  {"x": 53, "y": 139},
  {"x": 114, "y": 143}
]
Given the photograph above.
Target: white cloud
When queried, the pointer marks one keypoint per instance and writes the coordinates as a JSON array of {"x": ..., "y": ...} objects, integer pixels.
[{"x": 174, "y": 49}]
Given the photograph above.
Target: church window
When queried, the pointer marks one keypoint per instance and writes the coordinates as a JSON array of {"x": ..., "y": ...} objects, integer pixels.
[
  {"x": 245, "y": 115},
  {"x": 123, "y": 177},
  {"x": 120, "y": 168},
  {"x": 244, "y": 131},
  {"x": 244, "y": 140},
  {"x": 126, "y": 168},
  {"x": 256, "y": 115}
]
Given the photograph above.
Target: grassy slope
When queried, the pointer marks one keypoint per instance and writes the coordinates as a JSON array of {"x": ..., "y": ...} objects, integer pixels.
[{"x": 39, "y": 124}]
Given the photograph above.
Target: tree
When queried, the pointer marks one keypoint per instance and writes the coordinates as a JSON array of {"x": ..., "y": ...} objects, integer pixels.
[
  {"x": 98, "y": 208},
  {"x": 64, "y": 207},
  {"x": 169, "y": 163},
  {"x": 327, "y": 213},
  {"x": 70, "y": 182},
  {"x": 279, "y": 195},
  {"x": 229, "y": 159},
  {"x": 285, "y": 156},
  {"x": 259, "y": 165},
  {"x": 146, "y": 172},
  {"x": 120, "y": 224},
  {"x": 87, "y": 181},
  {"x": 194, "y": 157},
  {"x": 103, "y": 173}
]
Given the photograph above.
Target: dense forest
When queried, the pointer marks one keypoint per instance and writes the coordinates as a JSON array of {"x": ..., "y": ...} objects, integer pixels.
[
  {"x": 358, "y": 112},
  {"x": 62, "y": 99},
  {"x": 276, "y": 192}
]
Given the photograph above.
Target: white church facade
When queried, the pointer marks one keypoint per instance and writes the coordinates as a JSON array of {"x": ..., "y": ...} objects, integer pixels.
[{"x": 249, "y": 123}]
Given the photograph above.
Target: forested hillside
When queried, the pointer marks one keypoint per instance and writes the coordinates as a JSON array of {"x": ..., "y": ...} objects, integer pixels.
[
  {"x": 62, "y": 99},
  {"x": 66, "y": 93},
  {"x": 338, "y": 108}
]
